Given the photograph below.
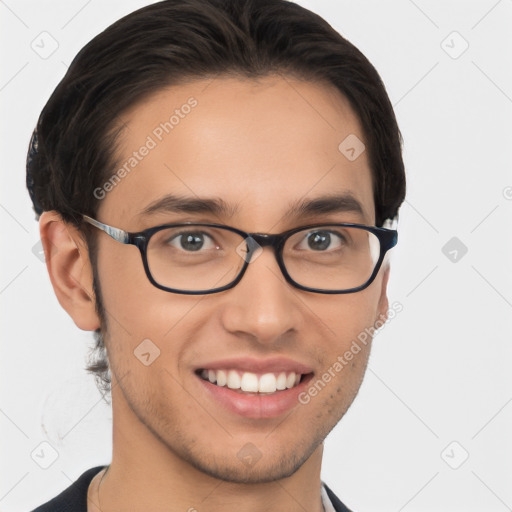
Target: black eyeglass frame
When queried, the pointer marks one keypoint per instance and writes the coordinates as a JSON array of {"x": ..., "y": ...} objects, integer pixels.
[{"x": 388, "y": 238}]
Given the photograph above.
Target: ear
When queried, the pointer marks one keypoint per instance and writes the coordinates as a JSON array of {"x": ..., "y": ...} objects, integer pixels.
[
  {"x": 383, "y": 306},
  {"x": 69, "y": 268}
]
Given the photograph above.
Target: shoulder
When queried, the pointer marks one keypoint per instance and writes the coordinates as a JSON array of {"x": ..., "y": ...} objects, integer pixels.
[
  {"x": 337, "y": 504},
  {"x": 74, "y": 498}
]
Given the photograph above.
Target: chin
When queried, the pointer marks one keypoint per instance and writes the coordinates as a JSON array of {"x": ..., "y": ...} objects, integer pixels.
[
  {"x": 259, "y": 469},
  {"x": 258, "y": 473}
]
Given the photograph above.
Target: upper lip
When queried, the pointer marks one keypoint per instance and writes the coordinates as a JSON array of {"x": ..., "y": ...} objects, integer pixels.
[{"x": 248, "y": 364}]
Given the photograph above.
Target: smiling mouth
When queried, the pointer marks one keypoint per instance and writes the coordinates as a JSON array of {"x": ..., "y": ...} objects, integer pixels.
[{"x": 252, "y": 383}]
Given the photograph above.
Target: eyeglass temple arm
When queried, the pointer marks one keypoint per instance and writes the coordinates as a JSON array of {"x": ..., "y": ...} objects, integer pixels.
[{"x": 115, "y": 233}]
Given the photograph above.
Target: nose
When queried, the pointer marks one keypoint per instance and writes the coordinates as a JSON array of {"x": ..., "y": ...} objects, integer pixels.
[{"x": 263, "y": 306}]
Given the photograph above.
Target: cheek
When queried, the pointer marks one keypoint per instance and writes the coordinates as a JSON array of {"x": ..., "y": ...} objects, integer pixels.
[
  {"x": 145, "y": 324},
  {"x": 135, "y": 310},
  {"x": 349, "y": 322},
  {"x": 344, "y": 317},
  {"x": 121, "y": 271},
  {"x": 132, "y": 303}
]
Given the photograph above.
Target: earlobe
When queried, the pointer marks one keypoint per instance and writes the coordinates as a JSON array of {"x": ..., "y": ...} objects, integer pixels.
[{"x": 69, "y": 268}]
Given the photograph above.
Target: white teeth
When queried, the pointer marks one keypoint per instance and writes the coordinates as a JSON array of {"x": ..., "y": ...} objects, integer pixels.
[
  {"x": 233, "y": 380},
  {"x": 249, "y": 382},
  {"x": 281, "y": 381},
  {"x": 268, "y": 383},
  {"x": 222, "y": 378},
  {"x": 252, "y": 382},
  {"x": 290, "y": 380}
]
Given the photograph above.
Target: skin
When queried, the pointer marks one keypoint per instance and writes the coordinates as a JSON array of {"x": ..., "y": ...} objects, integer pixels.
[{"x": 259, "y": 144}]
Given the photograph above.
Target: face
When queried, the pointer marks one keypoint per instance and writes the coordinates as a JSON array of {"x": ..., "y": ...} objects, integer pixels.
[{"x": 260, "y": 146}]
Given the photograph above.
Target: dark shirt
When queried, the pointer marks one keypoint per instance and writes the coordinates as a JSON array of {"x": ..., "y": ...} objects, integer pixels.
[{"x": 74, "y": 498}]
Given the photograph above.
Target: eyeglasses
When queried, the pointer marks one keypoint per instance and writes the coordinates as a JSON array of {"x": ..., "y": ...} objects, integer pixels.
[{"x": 198, "y": 259}]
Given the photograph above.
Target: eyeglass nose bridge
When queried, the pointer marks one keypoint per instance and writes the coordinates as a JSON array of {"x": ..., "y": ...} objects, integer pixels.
[{"x": 255, "y": 243}]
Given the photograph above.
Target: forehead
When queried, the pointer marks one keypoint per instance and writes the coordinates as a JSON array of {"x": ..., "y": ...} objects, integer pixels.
[{"x": 260, "y": 146}]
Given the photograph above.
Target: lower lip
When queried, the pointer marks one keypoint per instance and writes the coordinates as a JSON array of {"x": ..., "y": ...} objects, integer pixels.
[{"x": 256, "y": 405}]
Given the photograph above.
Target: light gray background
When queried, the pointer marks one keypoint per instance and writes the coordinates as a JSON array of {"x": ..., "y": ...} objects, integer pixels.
[{"x": 438, "y": 386}]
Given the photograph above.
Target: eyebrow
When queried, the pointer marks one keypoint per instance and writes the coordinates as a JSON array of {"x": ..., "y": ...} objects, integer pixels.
[
  {"x": 344, "y": 203},
  {"x": 340, "y": 203},
  {"x": 181, "y": 204}
]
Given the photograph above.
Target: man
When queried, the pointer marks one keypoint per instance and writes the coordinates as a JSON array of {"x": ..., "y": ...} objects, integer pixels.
[{"x": 212, "y": 178}]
